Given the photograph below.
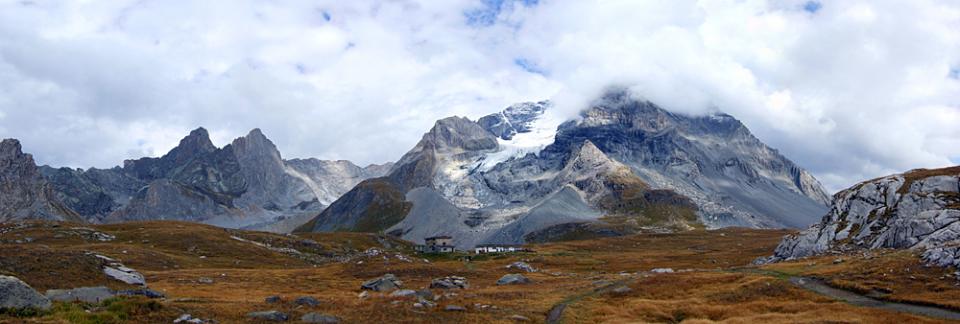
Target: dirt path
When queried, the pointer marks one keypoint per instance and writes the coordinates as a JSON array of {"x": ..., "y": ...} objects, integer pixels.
[
  {"x": 853, "y": 298},
  {"x": 555, "y": 315}
]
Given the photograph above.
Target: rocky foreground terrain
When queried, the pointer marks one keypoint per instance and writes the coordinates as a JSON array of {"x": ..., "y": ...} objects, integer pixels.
[
  {"x": 166, "y": 272},
  {"x": 917, "y": 210}
]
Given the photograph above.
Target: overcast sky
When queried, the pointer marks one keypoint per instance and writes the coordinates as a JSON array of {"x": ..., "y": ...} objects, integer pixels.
[{"x": 847, "y": 89}]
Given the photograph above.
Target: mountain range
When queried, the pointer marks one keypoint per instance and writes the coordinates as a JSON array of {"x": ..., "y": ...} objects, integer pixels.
[
  {"x": 245, "y": 184},
  {"x": 624, "y": 165}
]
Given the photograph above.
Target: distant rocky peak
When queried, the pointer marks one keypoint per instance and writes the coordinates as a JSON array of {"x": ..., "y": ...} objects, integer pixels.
[
  {"x": 459, "y": 133},
  {"x": 256, "y": 144},
  {"x": 589, "y": 153},
  {"x": 518, "y": 118},
  {"x": 10, "y": 149},
  {"x": 197, "y": 142}
]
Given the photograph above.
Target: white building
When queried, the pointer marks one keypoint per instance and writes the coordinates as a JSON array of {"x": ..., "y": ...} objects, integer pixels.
[{"x": 496, "y": 248}]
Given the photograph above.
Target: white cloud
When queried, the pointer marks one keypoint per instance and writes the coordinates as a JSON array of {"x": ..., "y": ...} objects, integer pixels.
[{"x": 850, "y": 90}]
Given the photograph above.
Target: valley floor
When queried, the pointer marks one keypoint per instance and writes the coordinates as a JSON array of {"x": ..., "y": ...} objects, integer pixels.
[{"x": 213, "y": 273}]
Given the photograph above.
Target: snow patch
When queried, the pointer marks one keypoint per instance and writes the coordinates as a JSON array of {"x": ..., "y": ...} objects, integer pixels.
[{"x": 542, "y": 133}]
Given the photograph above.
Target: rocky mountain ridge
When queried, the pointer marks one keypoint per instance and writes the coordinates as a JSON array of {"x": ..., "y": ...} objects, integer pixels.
[
  {"x": 24, "y": 193},
  {"x": 243, "y": 184},
  {"x": 625, "y": 164},
  {"x": 919, "y": 209}
]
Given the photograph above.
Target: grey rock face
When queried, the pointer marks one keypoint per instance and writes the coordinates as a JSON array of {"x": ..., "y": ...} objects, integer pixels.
[
  {"x": 732, "y": 177},
  {"x": 919, "y": 209},
  {"x": 513, "y": 279},
  {"x": 124, "y": 274},
  {"x": 24, "y": 193},
  {"x": 16, "y": 294},
  {"x": 91, "y": 295}
]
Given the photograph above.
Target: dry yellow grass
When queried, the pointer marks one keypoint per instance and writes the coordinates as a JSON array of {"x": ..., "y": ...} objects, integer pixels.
[{"x": 710, "y": 285}]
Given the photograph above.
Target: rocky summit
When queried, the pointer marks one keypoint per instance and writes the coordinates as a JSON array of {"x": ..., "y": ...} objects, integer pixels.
[
  {"x": 24, "y": 193},
  {"x": 625, "y": 165},
  {"x": 243, "y": 184},
  {"x": 919, "y": 209}
]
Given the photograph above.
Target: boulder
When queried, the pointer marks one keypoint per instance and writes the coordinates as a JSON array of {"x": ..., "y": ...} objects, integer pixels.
[
  {"x": 273, "y": 316},
  {"x": 319, "y": 318},
  {"x": 387, "y": 282},
  {"x": 520, "y": 265},
  {"x": 519, "y": 318},
  {"x": 272, "y": 299},
  {"x": 455, "y": 308},
  {"x": 16, "y": 294},
  {"x": 662, "y": 270},
  {"x": 513, "y": 279},
  {"x": 91, "y": 295},
  {"x": 621, "y": 290},
  {"x": 189, "y": 319},
  {"x": 450, "y": 282},
  {"x": 307, "y": 301},
  {"x": 122, "y": 273},
  {"x": 403, "y": 293}
]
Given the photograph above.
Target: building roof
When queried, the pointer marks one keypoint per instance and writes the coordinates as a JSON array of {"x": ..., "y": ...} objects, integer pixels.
[{"x": 439, "y": 237}]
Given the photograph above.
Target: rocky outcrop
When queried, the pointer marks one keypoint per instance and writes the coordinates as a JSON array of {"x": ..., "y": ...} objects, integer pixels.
[
  {"x": 16, "y": 294},
  {"x": 386, "y": 283},
  {"x": 919, "y": 209},
  {"x": 92, "y": 295},
  {"x": 24, "y": 193},
  {"x": 513, "y": 279}
]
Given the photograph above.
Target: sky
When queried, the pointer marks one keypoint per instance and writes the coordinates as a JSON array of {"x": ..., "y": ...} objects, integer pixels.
[{"x": 847, "y": 89}]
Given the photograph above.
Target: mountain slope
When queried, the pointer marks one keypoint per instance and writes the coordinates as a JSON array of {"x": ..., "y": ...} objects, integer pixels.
[
  {"x": 918, "y": 209},
  {"x": 735, "y": 179},
  {"x": 24, "y": 193}
]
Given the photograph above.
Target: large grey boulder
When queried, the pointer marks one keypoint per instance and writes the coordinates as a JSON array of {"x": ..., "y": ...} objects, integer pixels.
[
  {"x": 273, "y": 316},
  {"x": 307, "y": 301},
  {"x": 122, "y": 273},
  {"x": 83, "y": 294},
  {"x": 386, "y": 283},
  {"x": 16, "y": 294},
  {"x": 513, "y": 279}
]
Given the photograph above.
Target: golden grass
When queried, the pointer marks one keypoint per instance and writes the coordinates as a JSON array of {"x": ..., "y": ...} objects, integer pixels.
[{"x": 711, "y": 290}]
